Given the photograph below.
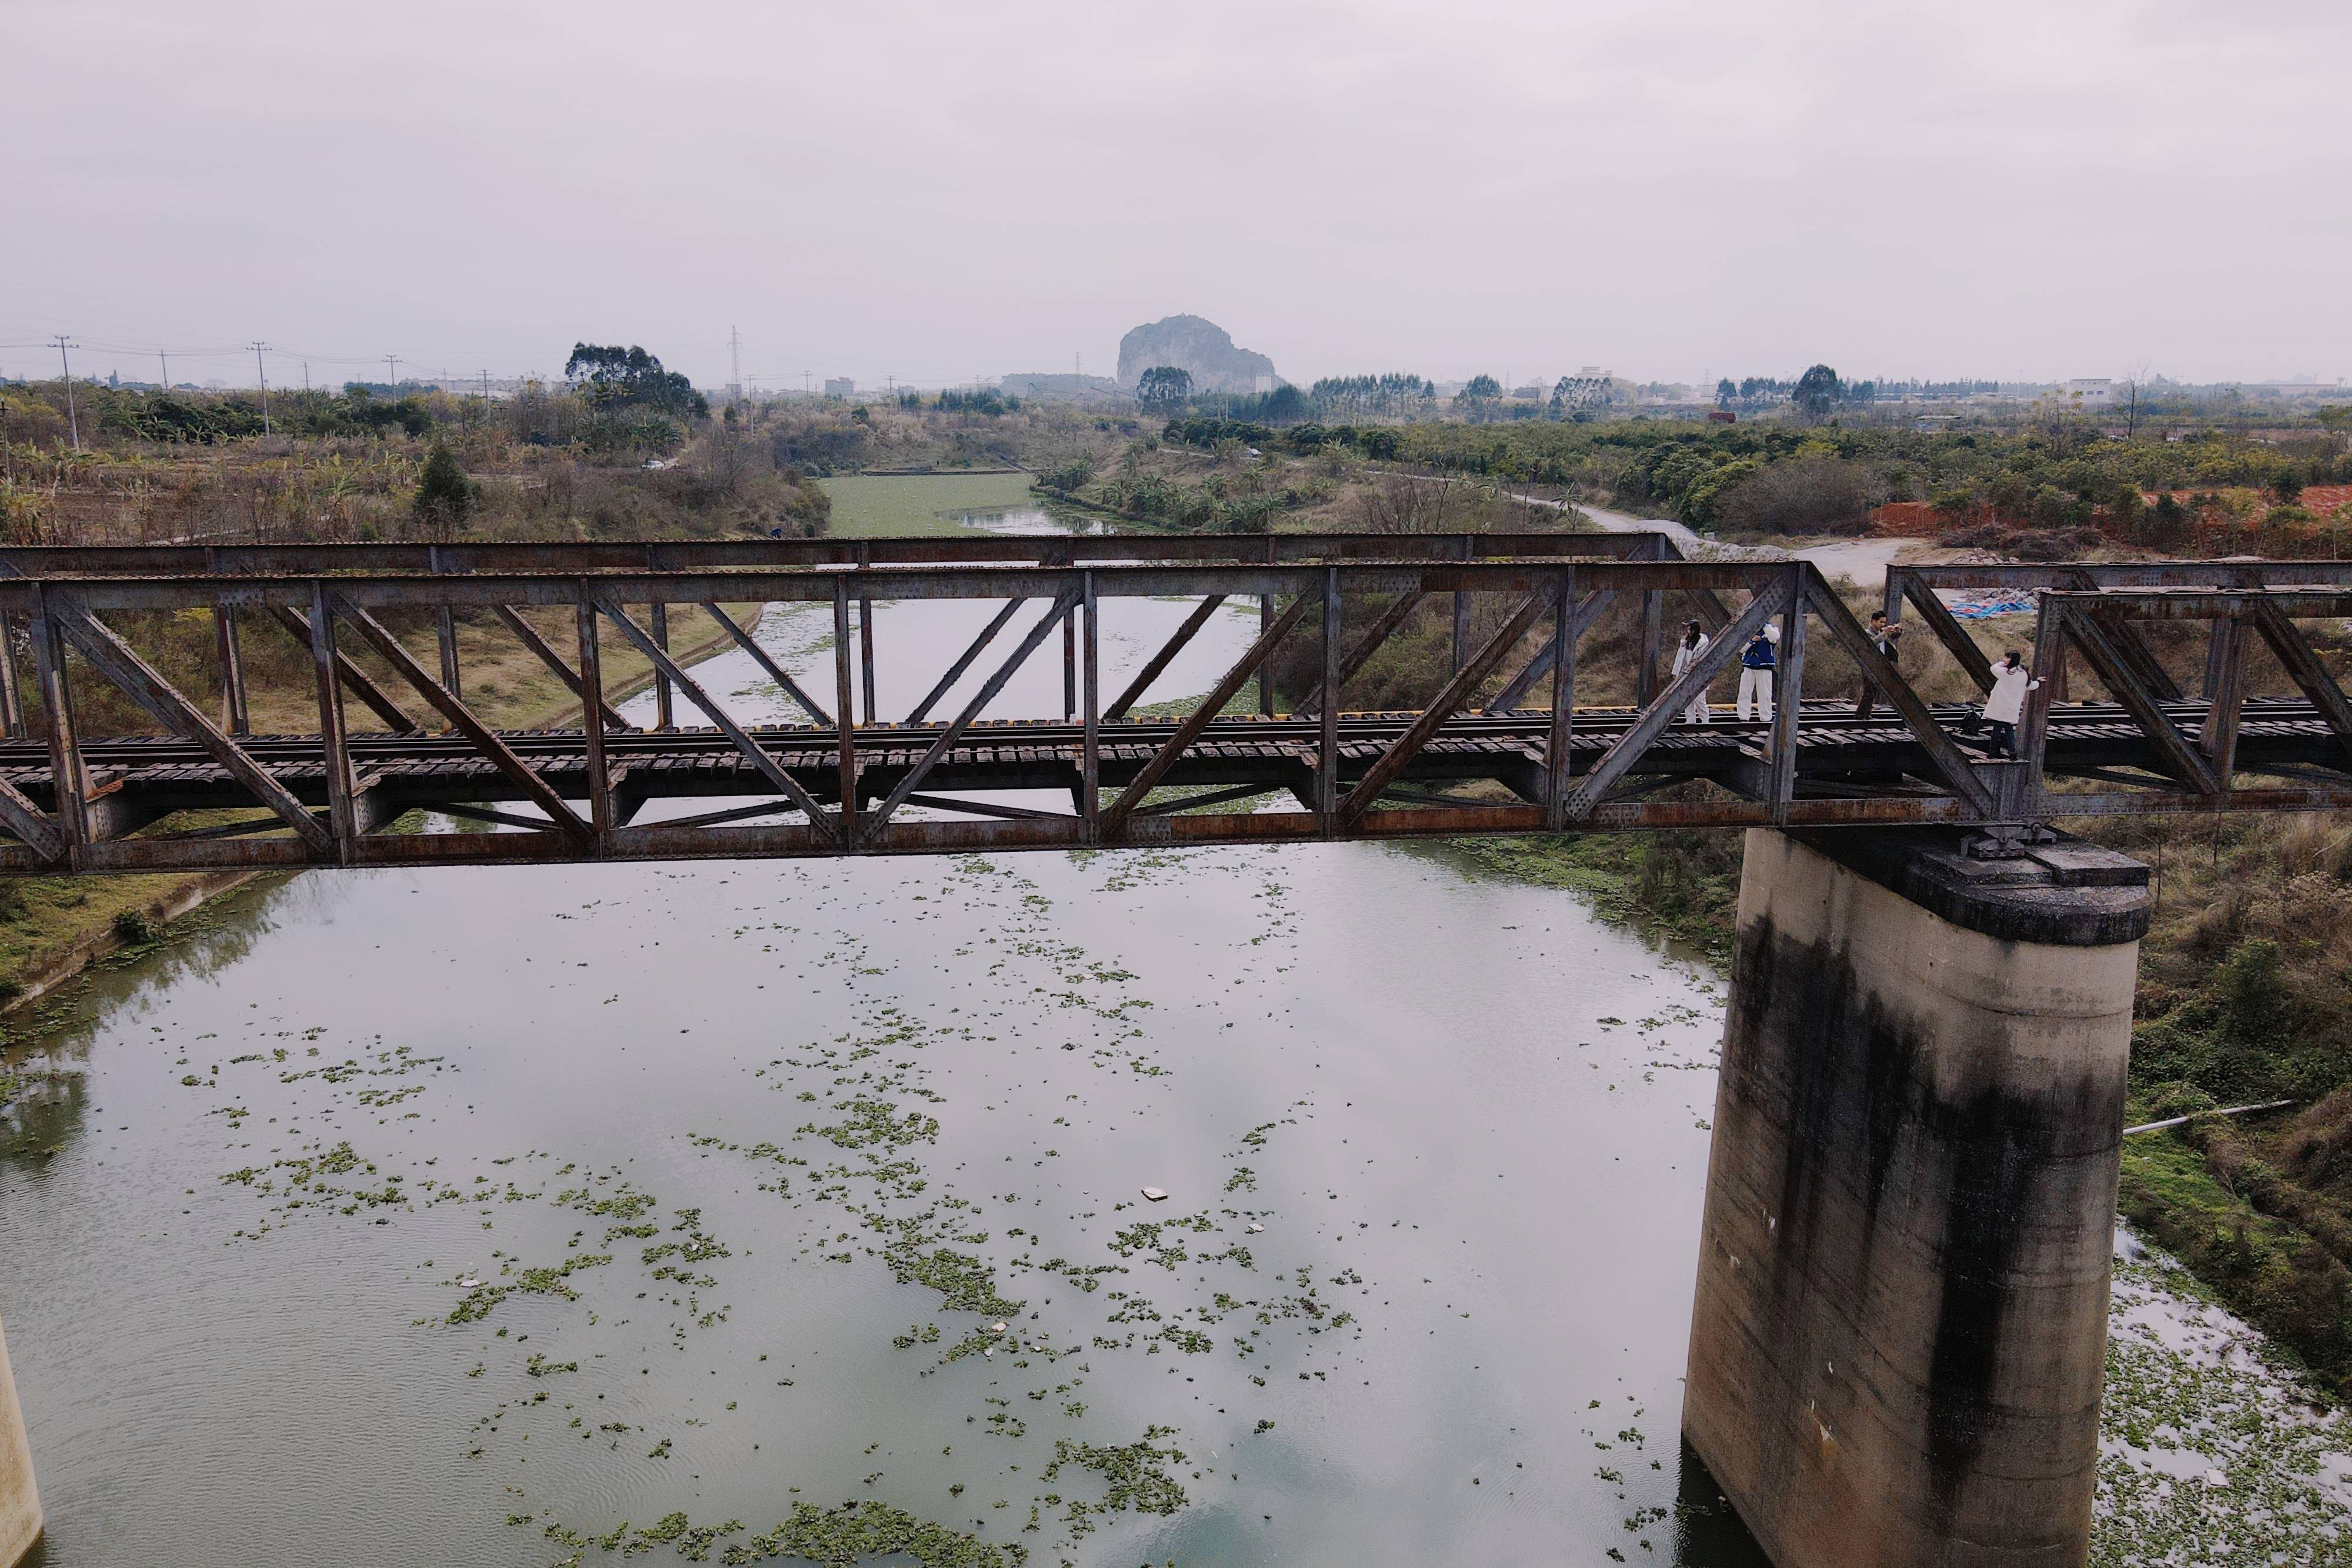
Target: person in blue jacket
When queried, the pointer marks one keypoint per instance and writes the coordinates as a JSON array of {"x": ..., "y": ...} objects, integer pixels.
[{"x": 1756, "y": 661}]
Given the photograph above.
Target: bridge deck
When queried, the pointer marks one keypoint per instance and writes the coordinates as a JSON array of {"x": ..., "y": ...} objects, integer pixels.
[{"x": 1848, "y": 770}]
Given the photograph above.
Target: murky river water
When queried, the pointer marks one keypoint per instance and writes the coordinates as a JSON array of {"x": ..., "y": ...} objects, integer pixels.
[{"x": 523, "y": 1216}]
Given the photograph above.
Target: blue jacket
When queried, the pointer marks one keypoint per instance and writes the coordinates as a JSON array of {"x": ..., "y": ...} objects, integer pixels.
[{"x": 1759, "y": 655}]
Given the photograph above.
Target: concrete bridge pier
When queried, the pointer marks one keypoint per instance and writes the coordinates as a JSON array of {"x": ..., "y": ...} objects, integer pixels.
[
  {"x": 1901, "y": 1305},
  {"x": 20, "y": 1505}
]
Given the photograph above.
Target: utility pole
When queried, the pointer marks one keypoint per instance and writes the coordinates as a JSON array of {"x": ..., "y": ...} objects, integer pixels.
[
  {"x": 259, "y": 369},
  {"x": 392, "y": 369},
  {"x": 73, "y": 420},
  {"x": 166, "y": 361},
  {"x": 735, "y": 358},
  {"x": 306, "y": 375}
]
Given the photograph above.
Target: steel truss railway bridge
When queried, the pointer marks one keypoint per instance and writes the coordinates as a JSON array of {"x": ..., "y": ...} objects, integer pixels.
[
  {"x": 396, "y": 734},
  {"x": 1901, "y": 1301}
]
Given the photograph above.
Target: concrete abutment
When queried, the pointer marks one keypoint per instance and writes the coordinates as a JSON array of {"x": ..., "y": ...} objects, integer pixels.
[
  {"x": 1902, "y": 1301},
  {"x": 20, "y": 1505}
]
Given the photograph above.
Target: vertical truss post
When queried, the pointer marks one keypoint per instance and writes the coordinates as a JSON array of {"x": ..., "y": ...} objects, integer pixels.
[
  {"x": 866, "y": 656},
  {"x": 659, "y": 628},
  {"x": 334, "y": 748},
  {"x": 12, "y": 703},
  {"x": 2033, "y": 736},
  {"x": 1653, "y": 622},
  {"x": 592, "y": 713},
  {"x": 233, "y": 717},
  {"x": 2225, "y": 688},
  {"x": 1789, "y": 697},
  {"x": 1265, "y": 624},
  {"x": 1091, "y": 745},
  {"x": 842, "y": 711},
  {"x": 1070, "y": 665},
  {"x": 1461, "y": 629},
  {"x": 445, "y": 634},
  {"x": 1326, "y": 743},
  {"x": 69, "y": 774},
  {"x": 1557, "y": 756}
]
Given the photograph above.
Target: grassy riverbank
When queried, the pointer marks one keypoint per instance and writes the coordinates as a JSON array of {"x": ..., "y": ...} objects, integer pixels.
[{"x": 49, "y": 927}]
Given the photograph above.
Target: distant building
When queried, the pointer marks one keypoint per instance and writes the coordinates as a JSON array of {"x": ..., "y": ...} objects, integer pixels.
[
  {"x": 2090, "y": 390},
  {"x": 1721, "y": 416},
  {"x": 840, "y": 386}
]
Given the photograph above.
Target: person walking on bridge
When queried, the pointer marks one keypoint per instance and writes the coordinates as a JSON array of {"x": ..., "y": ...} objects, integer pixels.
[
  {"x": 1687, "y": 654},
  {"x": 1756, "y": 666},
  {"x": 2005, "y": 703}
]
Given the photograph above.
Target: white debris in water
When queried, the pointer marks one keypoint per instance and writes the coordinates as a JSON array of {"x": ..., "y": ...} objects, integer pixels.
[{"x": 1155, "y": 1194}]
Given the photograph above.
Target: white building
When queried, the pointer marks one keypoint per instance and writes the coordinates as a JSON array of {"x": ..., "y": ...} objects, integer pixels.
[
  {"x": 2090, "y": 390},
  {"x": 840, "y": 386}
]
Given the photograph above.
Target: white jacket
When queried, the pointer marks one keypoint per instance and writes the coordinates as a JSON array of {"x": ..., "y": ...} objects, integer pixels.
[
  {"x": 2006, "y": 700},
  {"x": 1686, "y": 655}
]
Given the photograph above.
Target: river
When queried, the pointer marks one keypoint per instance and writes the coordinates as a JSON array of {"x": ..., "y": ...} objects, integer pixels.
[{"x": 526, "y": 1215}]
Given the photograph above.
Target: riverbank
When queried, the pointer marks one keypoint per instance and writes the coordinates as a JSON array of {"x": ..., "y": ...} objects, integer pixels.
[{"x": 51, "y": 929}]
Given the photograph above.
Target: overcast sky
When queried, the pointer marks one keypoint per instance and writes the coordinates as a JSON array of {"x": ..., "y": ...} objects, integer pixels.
[{"x": 939, "y": 191}]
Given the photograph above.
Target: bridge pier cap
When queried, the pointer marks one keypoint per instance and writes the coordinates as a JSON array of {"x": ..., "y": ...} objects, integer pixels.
[{"x": 1901, "y": 1301}]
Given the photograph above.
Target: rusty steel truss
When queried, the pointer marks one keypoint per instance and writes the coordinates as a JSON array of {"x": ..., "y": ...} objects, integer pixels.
[{"x": 850, "y": 780}]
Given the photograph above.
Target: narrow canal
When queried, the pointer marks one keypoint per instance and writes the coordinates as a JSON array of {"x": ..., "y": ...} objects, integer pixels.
[{"x": 752, "y": 1211}]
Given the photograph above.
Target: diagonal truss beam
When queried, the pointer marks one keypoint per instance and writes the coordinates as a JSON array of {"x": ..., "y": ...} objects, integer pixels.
[
  {"x": 1621, "y": 757},
  {"x": 769, "y": 767},
  {"x": 1587, "y": 610},
  {"x": 2303, "y": 668},
  {"x": 1160, "y": 661},
  {"x": 1366, "y": 646},
  {"x": 485, "y": 740},
  {"x": 22, "y": 818},
  {"x": 530, "y": 638},
  {"x": 963, "y": 662},
  {"x": 1055, "y": 614},
  {"x": 2136, "y": 655},
  {"x": 1949, "y": 632},
  {"x": 1115, "y": 815},
  {"x": 297, "y": 626},
  {"x": 120, "y": 662},
  {"x": 776, "y": 673},
  {"x": 1879, "y": 670},
  {"x": 1392, "y": 762},
  {"x": 2113, "y": 667}
]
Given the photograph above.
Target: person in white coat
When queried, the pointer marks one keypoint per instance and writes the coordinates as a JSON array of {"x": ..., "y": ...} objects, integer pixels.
[
  {"x": 1687, "y": 654},
  {"x": 1756, "y": 661},
  {"x": 2005, "y": 703}
]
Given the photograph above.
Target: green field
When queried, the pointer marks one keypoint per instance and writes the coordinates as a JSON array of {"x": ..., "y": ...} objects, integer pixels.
[{"x": 866, "y": 505}]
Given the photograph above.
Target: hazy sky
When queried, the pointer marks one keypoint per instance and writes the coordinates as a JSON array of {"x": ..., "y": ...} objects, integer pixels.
[{"x": 2004, "y": 188}]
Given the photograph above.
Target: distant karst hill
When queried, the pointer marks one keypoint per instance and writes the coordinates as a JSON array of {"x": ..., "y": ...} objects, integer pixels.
[{"x": 1203, "y": 348}]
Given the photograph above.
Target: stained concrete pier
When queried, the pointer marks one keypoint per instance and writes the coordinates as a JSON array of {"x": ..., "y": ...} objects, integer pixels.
[
  {"x": 20, "y": 1504},
  {"x": 1902, "y": 1303}
]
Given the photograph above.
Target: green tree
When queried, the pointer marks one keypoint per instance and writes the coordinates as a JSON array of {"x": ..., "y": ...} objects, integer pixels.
[
  {"x": 613, "y": 376},
  {"x": 1479, "y": 389},
  {"x": 1163, "y": 386},
  {"x": 1818, "y": 391},
  {"x": 1726, "y": 390},
  {"x": 445, "y": 496}
]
